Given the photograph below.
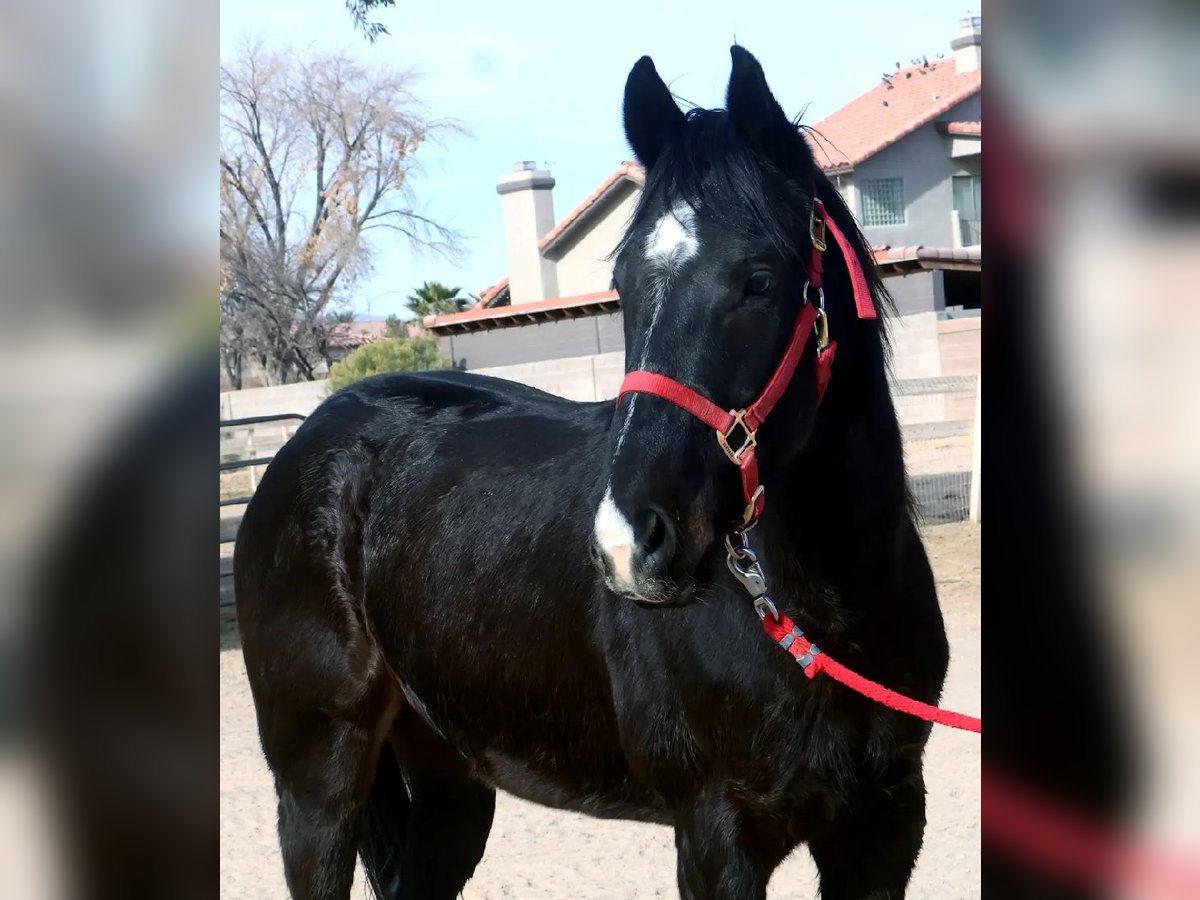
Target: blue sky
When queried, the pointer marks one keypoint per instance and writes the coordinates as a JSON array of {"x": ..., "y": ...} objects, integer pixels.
[{"x": 544, "y": 82}]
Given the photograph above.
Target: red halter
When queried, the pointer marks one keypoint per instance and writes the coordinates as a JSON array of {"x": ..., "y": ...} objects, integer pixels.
[{"x": 749, "y": 419}]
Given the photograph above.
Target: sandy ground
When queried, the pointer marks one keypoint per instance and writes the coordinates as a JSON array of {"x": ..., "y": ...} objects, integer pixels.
[{"x": 536, "y": 852}]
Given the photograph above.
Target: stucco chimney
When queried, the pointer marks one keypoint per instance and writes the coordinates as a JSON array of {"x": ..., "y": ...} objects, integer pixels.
[
  {"x": 526, "y": 194},
  {"x": 966, "y": 44}
]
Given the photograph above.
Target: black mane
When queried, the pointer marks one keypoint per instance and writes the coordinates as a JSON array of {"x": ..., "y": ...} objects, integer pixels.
[{"x": 712, "y": 168}]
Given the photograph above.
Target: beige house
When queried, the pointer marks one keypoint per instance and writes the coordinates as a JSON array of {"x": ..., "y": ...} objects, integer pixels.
[{"x": 555, "y": 322}]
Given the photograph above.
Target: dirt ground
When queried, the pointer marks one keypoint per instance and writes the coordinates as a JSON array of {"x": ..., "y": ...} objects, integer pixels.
[{"x": 534, "y": 852}]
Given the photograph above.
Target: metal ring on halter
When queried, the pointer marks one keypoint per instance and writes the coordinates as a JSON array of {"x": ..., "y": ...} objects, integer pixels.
[
  {"x": 820, "y": 295},
  {"x": 746, "y": 567},
  {"x": 742, "y": 552},
  {"x": 746, "y": 570},
  {"x": 752, "y": 579}
]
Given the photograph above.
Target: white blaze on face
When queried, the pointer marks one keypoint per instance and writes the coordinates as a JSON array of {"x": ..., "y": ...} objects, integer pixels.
[
  {"x": 673, "y": 240},
  {"x": 670, "y": 243},
  {"x": 614, "y": 537}
]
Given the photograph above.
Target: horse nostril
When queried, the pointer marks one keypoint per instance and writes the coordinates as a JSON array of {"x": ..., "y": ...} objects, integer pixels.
[{"x": 658, "y": 540}]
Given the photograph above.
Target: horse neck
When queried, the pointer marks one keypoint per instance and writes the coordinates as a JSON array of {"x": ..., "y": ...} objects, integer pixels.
[{"x": 834, "y": 513}]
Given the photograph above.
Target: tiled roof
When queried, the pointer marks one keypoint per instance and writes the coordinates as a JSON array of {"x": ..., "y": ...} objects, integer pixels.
[
  {"x": 627, "y": 170},
  {"x": 540, "y": 310},
  {"x": 930, "y": 254},
  {"x": 487, "y": 297},
  {"x": 971, "y": 129},
  {"x": 899, "y": 260},
  {"x": 910, "y": 98}
]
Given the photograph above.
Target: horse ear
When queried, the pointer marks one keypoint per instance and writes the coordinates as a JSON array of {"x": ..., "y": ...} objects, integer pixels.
[
  {"x": 759, "y": 118},
  {"x": 652, "y": 119}
]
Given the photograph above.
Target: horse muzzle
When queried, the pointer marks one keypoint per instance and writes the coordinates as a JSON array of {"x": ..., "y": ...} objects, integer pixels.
[{"x": 636, "y": 556}]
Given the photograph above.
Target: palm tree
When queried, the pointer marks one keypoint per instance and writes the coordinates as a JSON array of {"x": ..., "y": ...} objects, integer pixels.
[{"x": 434, "y": 298}]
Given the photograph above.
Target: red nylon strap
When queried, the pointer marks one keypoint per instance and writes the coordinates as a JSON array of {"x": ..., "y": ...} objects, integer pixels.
[
  {"x": 756, "y": 412},
  {"x": 779, "y": 630},
  {"x": 858, "y": 278},
  {"x": 755, "y": 498},
  {"x": 679, "y": 394}
]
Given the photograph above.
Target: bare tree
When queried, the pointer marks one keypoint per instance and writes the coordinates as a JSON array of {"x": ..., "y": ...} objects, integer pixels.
[
  {"x": 316, "y": 156},
  {"x": 360, "y": 9}
]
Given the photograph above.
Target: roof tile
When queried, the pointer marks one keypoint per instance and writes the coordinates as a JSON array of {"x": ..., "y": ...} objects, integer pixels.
[
  {"x": 487, "y": 296},
  {"x": 518, "y": 310},
  {"x": 973, "y": 129},
  {"x": 864, "y": 126}
]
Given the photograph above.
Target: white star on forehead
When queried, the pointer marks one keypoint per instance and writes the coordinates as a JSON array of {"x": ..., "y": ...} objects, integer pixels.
[{"x": 673, "y": 239}]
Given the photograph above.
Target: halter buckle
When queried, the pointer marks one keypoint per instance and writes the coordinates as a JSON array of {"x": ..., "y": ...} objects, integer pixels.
[
  {"x": 748, "y": 512},
  {"x": 816, "y": 226},
  {"x": 822, "y": 328},
  {"x": 748, "y": 442}
]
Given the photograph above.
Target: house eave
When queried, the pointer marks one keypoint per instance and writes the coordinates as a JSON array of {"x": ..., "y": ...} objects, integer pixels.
[
  {"x": 598, "y": 207},
  {"x": 524, "y": 314}
]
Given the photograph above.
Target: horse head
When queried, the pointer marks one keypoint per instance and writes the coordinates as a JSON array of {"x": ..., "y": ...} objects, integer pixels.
[{"x": 712, "y": 274}]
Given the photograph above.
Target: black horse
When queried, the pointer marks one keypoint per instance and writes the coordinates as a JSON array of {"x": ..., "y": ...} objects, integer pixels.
[{"x": 449, "y": 584}]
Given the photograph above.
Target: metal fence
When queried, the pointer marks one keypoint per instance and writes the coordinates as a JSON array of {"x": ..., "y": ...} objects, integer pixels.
[
  {"x": 939, "y": 420},
  {"x": 247, "y": 445}
]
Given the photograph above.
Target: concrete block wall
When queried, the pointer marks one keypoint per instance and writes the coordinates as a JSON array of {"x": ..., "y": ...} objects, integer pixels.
[
  {"x": 916, "y": 352},
  {"x": 584, "y": 378},
  {"x": 302, "y": 397},
  {"x": 595, "y": 376},
  {"x": 518, "y": 345},
  {"x": 961, "y": 347}
]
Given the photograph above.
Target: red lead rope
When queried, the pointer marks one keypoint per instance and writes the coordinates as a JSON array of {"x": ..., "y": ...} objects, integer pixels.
[
  {"x": 781, "y": 629},
  {"x": 785, "y": 633}
]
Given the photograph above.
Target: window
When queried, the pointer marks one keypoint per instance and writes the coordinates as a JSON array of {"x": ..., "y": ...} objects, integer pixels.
[
  {"x": 967, "y": 194},
  {"x": 882, "y": 201}
]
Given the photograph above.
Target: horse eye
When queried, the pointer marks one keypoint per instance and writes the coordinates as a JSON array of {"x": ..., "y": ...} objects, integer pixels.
[{"x": 758, "y": 283}]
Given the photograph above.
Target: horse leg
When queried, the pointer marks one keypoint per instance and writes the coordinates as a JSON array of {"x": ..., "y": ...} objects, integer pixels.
[
  {"x": 450, "y": 815},
  {"x": 325, "y": 704},
  {"x": 719, "y": 852},
  {"x": 870, "y": 850},
  {"x": 322, "y": 781}
]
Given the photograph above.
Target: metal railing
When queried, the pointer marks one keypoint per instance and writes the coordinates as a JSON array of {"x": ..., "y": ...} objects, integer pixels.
[
  {"x": 236, "y": 464},
  {"x": 228, "y": 527},
  {"x": 939, "y": 421}
]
